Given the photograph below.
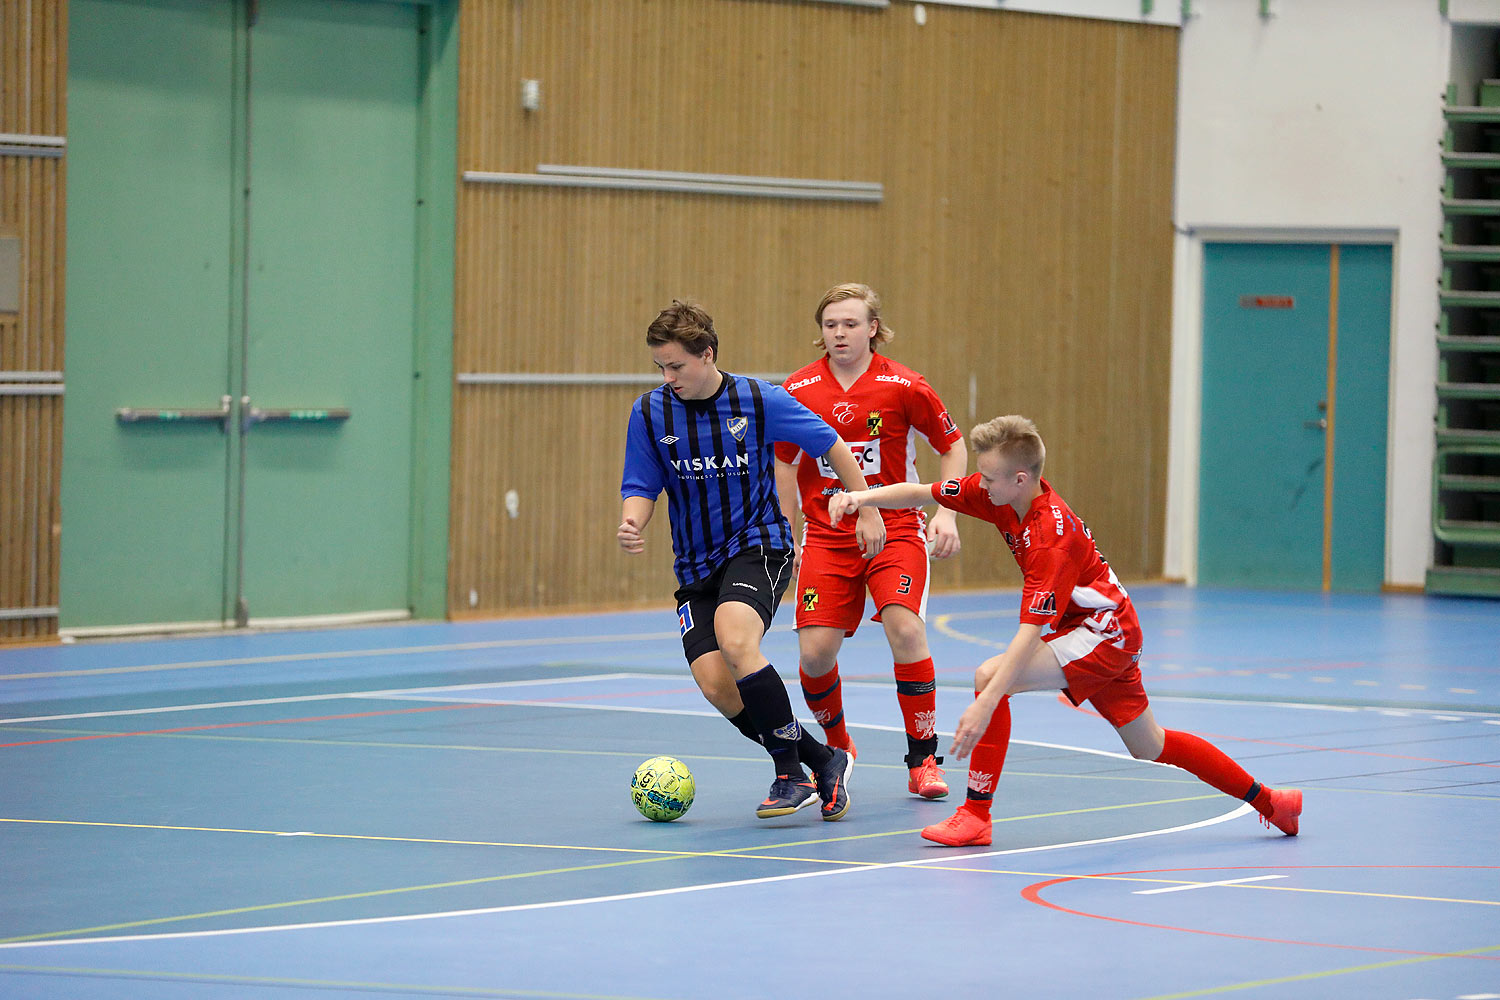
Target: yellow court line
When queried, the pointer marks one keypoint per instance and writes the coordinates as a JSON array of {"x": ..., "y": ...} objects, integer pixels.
[
  {"x": 211, "y": 977},
  {"x": 1257, "y": 984}
]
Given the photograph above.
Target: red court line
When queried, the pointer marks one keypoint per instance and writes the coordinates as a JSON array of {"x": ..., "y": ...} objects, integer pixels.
[
  {"x": 1033, "y": 894},
  {"x": 257, "y": 722}
]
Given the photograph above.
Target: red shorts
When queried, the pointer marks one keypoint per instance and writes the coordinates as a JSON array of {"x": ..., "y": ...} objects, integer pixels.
[
  {"x": 832, "y": 582},
  {"x": 1101, "y": 672}
]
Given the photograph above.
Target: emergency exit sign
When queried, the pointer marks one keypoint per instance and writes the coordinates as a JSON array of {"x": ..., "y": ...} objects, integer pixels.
[{"x": 1267, "y": 302}]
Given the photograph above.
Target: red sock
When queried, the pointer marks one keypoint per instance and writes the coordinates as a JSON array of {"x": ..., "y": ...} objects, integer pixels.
[
  {"x": 916, "y": 692},
  {"x": 988, "y": 759},
  {"x": 827, "y": 704},
  {"x": 1210, "y": 764}
]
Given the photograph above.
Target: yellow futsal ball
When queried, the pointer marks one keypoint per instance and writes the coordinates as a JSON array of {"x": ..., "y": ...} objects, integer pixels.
[{"x": 662, "y": 789}]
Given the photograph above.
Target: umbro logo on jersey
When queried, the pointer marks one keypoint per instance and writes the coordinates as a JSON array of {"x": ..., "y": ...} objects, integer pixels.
[
  {"x": 1043, "y": 604},
  {"x": 737, "y": 426},
  {"x": 952, "y": 487},
  {"x": 669, "y": 439}
]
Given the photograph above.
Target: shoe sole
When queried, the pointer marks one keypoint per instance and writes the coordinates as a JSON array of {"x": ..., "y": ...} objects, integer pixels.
[
  {"x": 976, "y": 842},
  {"x": 844, "y": 778},
  {"x": 773, "y": 813}
]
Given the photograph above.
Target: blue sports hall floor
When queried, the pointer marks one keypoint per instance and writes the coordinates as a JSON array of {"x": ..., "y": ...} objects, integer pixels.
[{"x": 442, "y": 810}]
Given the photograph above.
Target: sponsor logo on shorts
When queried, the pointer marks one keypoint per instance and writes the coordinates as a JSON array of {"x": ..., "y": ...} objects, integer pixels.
[
  {"x": 747, "y": 586},
  {"x": 981, "y": 781},
  {"x": 790, "y": 731},
  {"x": 685, "y": 619}
]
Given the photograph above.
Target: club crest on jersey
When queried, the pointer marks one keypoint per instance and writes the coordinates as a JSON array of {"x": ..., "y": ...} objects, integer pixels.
[
  {"x": 843, "y": 412},
  {"x": 810, "y": 599},
  {"x": 1043, "y": 604},
  {"x": 737, "y": 426},
  {"x": 872, "y": 422},
  {"x": 685, "y": 619}
]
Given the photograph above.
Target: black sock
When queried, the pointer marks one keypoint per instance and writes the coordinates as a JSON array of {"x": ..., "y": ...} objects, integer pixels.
[
  {"x": 743, "y": 724},
  {"x": 813, "y": 753},
  {"x": 770, "y": 710}
]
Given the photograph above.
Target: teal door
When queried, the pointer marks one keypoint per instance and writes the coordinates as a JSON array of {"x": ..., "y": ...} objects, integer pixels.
[
  {"x": 1295, "y": 380},
  {"x": 238, "y": 431}
]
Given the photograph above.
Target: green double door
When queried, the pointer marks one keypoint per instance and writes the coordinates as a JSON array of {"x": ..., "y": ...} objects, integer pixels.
[
  {"x": 241, "y": 298},
  {"x": 1296, "y": 348}
]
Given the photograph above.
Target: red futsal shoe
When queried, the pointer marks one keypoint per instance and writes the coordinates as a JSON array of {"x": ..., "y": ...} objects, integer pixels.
[
  {"x": 926, "y": 780},
  {"x": 1286, "y": 806},
  {"x": 964, "y": 828}
]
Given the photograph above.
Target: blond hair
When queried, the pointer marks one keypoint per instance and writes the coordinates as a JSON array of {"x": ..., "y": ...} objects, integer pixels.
[
  {"x": 867, "y": 295},
  {"x": 1014, "y": 437}
]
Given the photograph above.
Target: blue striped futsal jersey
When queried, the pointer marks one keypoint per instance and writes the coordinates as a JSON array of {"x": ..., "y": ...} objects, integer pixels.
[{"x": 715, "y": 459}]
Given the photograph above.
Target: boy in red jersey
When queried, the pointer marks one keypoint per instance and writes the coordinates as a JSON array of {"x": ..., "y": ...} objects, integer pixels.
[
  {"x": 1092, "y": 650},
  {"x": 878, "y": 407}
]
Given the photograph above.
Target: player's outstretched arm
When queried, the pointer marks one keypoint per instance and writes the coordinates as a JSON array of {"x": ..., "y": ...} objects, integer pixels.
[
  {"x": 942, "y": 527},
  {"x": 999, "y": 676},
  {"x": 840, "y": 505},
  {"x": 870, "y": 531},
  {"x": 635, "y": 513}
]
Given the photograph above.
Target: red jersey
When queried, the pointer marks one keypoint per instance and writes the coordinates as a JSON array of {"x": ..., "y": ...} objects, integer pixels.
[
  {"x": 879, "y": 417},
  {"x": 1068, "y": 583}
]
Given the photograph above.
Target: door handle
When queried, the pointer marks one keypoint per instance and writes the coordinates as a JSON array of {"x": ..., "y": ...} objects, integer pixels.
[
  {"x": 1320, "y": 424},
  {"x": 252, "y": 415},
  {"x": 133, "y": 415}
]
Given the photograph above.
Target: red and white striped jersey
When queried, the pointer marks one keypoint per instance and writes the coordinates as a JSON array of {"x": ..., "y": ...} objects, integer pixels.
[
  {"x": 1068, "y": 583},
  {"x": 879, "y": 418}
]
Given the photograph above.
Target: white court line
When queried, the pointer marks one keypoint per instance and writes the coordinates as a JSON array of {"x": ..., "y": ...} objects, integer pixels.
[
  {"x": 647, "y": 894},
  {"x": 346, "y": 654},
  {"x": 296, "y": 699},
  {"x": 1205, "y": 885}
]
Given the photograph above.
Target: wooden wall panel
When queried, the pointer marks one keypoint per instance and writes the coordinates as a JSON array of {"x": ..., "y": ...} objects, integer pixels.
[
  {"x": 33, "y": 70},
  {"x": 1023, "y": 249}
]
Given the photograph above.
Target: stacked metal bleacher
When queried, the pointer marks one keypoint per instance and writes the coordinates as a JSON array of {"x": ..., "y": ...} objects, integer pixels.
[{"x": 1466, "y": 470}]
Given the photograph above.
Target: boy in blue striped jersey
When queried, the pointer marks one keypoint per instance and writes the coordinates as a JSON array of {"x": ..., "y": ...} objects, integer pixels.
[{"x": 706, "y": 438}]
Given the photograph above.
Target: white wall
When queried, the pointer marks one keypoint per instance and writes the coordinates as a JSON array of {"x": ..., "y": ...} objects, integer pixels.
[{"x": 1323, "y": 122}]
